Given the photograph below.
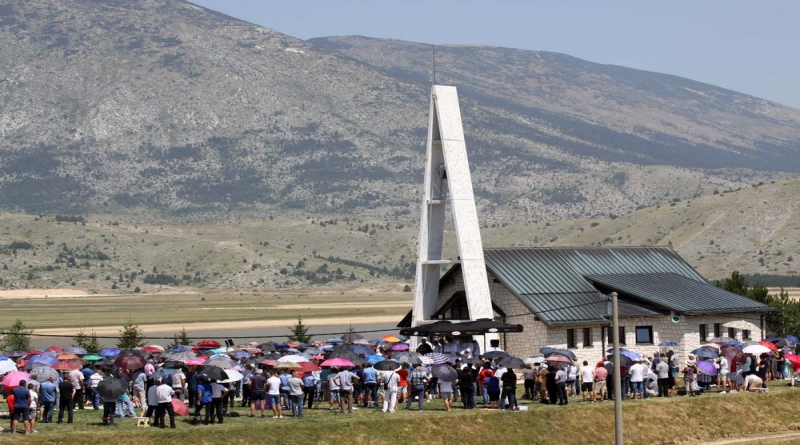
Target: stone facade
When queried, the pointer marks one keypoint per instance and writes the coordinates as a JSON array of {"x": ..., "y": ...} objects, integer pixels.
[{"x": 537, "y": 335}]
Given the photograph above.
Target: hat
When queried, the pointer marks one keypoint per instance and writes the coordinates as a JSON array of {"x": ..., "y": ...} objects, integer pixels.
[{"x": 259, "y": 371}]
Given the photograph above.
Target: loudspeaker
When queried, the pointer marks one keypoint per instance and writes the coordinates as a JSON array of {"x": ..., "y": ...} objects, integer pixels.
[
  {"x": 229, "y": 343},
  {"x": 495, "y": 343},
  {"x": 675, "y": 319}
]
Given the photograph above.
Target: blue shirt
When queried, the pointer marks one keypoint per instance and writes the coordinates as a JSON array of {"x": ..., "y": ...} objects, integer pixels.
[
  {"x": 87, "y": 372},
  {"x": 21, "y": 398},
  {"x": 204, "y": 392},
  {"x": 370, "y": 376},
  {"x": 48, "y": 391},
  {"x": 285, "y": 381},
  {"x": 309, "y": 381}
]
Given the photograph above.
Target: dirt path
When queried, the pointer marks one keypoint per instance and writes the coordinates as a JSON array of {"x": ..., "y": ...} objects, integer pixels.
[{"x": 772, "y": 438}]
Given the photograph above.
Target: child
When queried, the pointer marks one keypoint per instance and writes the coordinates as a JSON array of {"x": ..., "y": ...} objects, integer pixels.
[{"x": 34, "y": 406}]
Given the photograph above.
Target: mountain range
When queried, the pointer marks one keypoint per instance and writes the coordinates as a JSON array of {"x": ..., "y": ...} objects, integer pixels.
[{"x": 167, "y": 109}]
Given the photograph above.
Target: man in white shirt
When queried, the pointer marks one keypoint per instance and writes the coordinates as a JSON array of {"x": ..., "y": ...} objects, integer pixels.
[
  {"x": 724, "y": 374},
  {"x": 345, "y": 380},
  {"x": 152, "y": 402},
  {"x": 274, "y": 392},
  {"x": 179, "y": 384},
  {"x": 390, "y": 380},
  {"x": 164, "y": 394},
  {"x": 586, "y": 374},
  {"x": 636, "y": 373}
]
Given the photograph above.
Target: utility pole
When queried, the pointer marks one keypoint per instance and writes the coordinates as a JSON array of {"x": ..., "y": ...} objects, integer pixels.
[{"x": 617, "y": 377}]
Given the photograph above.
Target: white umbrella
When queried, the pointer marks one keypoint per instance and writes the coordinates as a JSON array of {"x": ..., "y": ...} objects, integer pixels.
[
  {"x": 293, "y": 358},
  {"x": 7, "y": 365},
  {"x": 534, "y": 360},
  {"x": 756, "y": 349},
  {"x": 741, "y": 324},
  {"x": 233, "y": 376}
]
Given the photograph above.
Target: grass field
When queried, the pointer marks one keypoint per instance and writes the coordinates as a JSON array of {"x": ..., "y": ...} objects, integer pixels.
[{"x": 677, "y": 420}]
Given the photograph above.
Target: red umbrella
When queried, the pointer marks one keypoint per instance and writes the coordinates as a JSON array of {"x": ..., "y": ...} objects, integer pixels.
[
  {"x": 795, "y": 359},
  {"x": 769, "y": 344},
  {"x": 308, "y": 367},
  {"x": 180, "y": 408},
  {"x": 269, "y": 362},
  {"x": 209, "y": 344},
  {"x": 153, "y": 349},
  {"x": 130, "y": 362},
  {"x": 55, "y": 348},
  {"x": 11, "y": 381},
  {"x": 65, "y": 366}
]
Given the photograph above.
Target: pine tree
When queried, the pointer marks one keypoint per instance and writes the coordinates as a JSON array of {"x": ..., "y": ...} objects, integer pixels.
[
  {"x": 87, "y": 341},
  {"x": 181, "y": 338},
  {"x": 17, "y": 337},
  {"x": 300, "y": 332},
  {"x": 130, "y": 336}
]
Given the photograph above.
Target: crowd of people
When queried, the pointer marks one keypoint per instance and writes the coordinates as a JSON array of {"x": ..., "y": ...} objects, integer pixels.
[{"x": 164, "y": 387}]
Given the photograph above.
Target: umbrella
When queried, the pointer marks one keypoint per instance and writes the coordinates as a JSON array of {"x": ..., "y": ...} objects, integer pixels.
[
  {"x": 705, "y": 353},
  {"x": 213, "y": 372},
  {"x": 267, "y": 347},
  {"x": 400, "y": 347},
  {"x": 473, "y": 360},
  {"x": 669, "y": 344},
  {"x": 92, "y": 358},
  {"x": 183, "y": 356},
  {"x": 15, "y": 354},
  {"x": 534, "y": 360},
  {"x": 195, "y": 362},
  {"x": 209, "y": 344},
  {"x": 220, "y": 361},
  {"x": 387, "y": 365},
  {"x": 180, "y": 408},
  {"x": 7, "y": 365},
  {"x": 707, "y": 367},
  {"x": 795, "y": 359},
  {"x": 374, "y": 358},
  {"x": 794, "y": 340},
  {"x": 558, "y": 358},
  {"x": 334, "y": 341},
  {"x": 288, "y": 365},
  {"x": 771, "y": 346},
  {"x": 46, "y": 360},
  {"x": 756, "y": 349},
  {"x": 720, "y": 340},
  {"x": 407, "y": 357},
  {"x": 626, "y": 353},
  {"x": 241, "y": 354},
  {"x": 112, "y": 388},
  {"x": 43, "y": 373},
  {"x": 338, "y": 362},
  {"x": 65, "y": 366},
  {"x": 361, "y": 349},
  {"x": 180, "y": 348},
  {"x": 546, "y": 351},
  {"x": 391, "y": 338},
  {"x": 491, "y": 355},
  {"x": 76, "y": 350},
  {"x": 51, "y": 352},
  {"x": 55, "y": 348},
  {"x": 486, "y": 325},
  {"x": 154, "y": 349},
  {"x": 352, "y": 337},
  {"x": 344, "y": 353},
  {"x": 511, "y": 362},
  {"x": 309, "y": 367},
  {"x": 293, "y": 358},
  {"x": 437, "y": 358},
  {"x": 445, "y": 373},
  {"x": 269, "y": 362},
  {"x": 741, "y": 324},
  {"x": 108, "y": 352},
  {"x": 132, "y": 352},
  {"x": 232, "y": 376},
  {"x": 11, "y": 381},
  {"x": 174, "y": 364},
  {"x": 162, "y": 373},
  {"x": 67, "y": 356},
  {"x": 130, "y": 362},
  {"x": 313, "y": 350},
  {"x": 784, "y": 343}
]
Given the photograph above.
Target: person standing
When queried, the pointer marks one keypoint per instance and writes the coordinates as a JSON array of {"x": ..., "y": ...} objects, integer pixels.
[
  {"x": 296, "y": 394},
  {"x": 485, "y": 372},
  {"x": 247, "y": 377},
  {"x": 390, "y": 385},
  {"x": 49, "y": 396},
  {"x": 256, "y": 391},
  {"x": 724, "y": 373},
  {"x": 22, "y": 405},
  {"x": 274, "y": 391},
  {"x": 509, "y": 392},
  {"x": 465, "y": 385},
  {"x": 191, "y": 385},
  {"x": 345, "y": 380},
  {"x": 586, "y": 375},
  {"x": 152, "y": 401},
  {"x": 309, "y": 388},
  {"x": 370, "y": 385},
  {"x": 218, "y": 393},
  {"x": 179, "y": 384},
  {"x": 164, "y": 394},
  {"x": 529, "y": 381},
  {"x": 417, "y": 381},
  {"x": 203, "y": 398},
  {"x": 66, "y": 402},
  {"x": 77, "y": 379},
  {"x": 561, "y": 386},
  {"x": 636, "y": 374},
  {"x": 94, "y": 380},
  {"x": 663, "y": 373}
]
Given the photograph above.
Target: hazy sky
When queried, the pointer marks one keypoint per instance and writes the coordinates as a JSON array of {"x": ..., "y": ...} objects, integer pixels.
[{"x": 746, "y": 46}]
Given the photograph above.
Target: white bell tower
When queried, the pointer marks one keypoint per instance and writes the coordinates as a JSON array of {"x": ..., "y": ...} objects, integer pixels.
[{"x": 448, "y": 183}]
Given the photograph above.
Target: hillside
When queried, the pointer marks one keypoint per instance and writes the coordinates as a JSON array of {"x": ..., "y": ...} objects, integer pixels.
[
  {"x": 754, "y": 230},
  {"x": 165, "y": 109}
]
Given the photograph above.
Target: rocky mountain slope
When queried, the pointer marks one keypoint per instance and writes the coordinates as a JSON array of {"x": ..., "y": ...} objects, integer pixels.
[{"x": 166, "y": 108}]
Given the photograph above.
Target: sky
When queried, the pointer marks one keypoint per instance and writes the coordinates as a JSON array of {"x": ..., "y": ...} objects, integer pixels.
[{"x": 746, "y": 46}]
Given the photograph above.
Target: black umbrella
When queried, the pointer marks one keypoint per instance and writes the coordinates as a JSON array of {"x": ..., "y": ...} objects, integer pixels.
[
  {"x": 111, "y": 388},
  {"x": 132, "y": 352},
  {"x": 445, "y": 373},
  {"x": 565, "y": 352},
  {"x": 407, "y": 357},
  {"x": 175, "y": 364},
  {"x": 511, "y": 362},
  {"x": 213, "y": 372},
  {"x": 343, "y": 353},
  {"x": 438, "y": 327},
  {"x": 386, "y": 365},
  {"x": 351, "y": 337},
  {"x": 485, "y": 325},
  {"x": 491, "y": 355},
  {"x": 268, "y": 347}
]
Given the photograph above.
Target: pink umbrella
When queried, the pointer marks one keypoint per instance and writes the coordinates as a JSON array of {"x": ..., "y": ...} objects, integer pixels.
[
  {"x": 400, "y": 347},
  {"x": 180, "y": 408},
  {"x": 11, "y": 381},
  {"x": 196, "y": 362},
  {"x": 337, "y": 362},
  {"x": 269, "y": 362}
]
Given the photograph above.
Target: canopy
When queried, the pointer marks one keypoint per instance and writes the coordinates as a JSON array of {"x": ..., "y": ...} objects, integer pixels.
[{"x": 477, "y": 327}]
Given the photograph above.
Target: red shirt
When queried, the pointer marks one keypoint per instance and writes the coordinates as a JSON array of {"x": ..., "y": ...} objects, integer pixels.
[
  {"x": 403, "y": 373},
  {"x": 485, "y": 374}
]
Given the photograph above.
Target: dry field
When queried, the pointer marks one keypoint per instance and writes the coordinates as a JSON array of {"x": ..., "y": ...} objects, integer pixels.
[{"x": 794, "y": 292}]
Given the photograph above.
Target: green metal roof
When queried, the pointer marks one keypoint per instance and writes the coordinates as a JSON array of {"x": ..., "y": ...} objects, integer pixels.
[{"x": 551, "y": 282}]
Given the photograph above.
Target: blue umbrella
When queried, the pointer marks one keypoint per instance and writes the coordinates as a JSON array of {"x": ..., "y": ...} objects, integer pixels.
[
  {"x": 3, "y": 357},
  {"x": 76, "y": 350},
  {"x": 40, "y": 360},
  {"x": 626, "y": 353},
  {"x": 669, "y": 344},
  {"x": 334, "y": 340},
  {"x": 108, "y": 352},
  {"x": 180, "y": 348},
  {"x": 733, "y": 343},
  {"x": 374, "y": 358},
  {"x": 240, "y": 354},
  {"x": 546, "y": 351},
  {"x": 793, "y": 338},
  {"x": 705, "y": 353},
  {"x": 361, "y": 349}
]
